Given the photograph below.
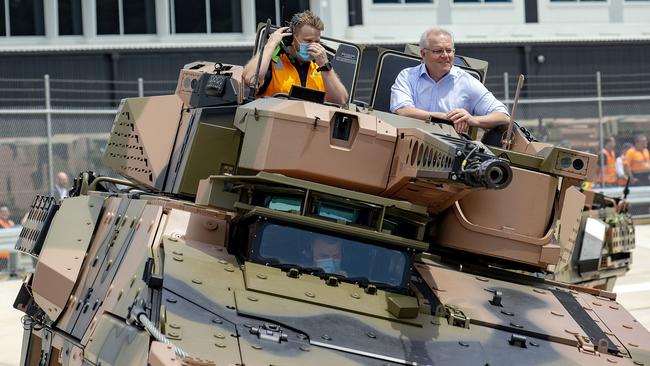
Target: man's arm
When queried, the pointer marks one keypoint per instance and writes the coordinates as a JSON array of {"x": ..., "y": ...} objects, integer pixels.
[
  {"x": 488, "y": 111},
  {"x": 627, "y": 160},
  {"x": 267, "y": 52},
  {"x": 419, "y": 113},
  {"x": 335, "y": 92},
  {"x": 463, "y": 119}
]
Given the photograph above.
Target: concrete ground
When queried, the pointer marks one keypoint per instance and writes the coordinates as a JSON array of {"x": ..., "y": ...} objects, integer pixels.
[
  {"x": 11, "y": 331},
  {"x": 633, "y": 292}
]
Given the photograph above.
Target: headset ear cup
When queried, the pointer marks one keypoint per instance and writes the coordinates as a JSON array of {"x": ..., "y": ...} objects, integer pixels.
[{"x": 288, "y": 41}]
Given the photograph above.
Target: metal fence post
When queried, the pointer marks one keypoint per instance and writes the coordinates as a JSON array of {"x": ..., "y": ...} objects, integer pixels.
[
  {"x": 599, "y": 92},
  {"x": 506, "y": 88},
  {"x": 48, "y": 119},
  {"x": 140, "y": 87}
]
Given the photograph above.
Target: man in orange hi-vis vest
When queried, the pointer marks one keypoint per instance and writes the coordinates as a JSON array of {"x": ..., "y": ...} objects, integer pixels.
[
  {"x": 607, "y": 166},
  {"x": 302, "y": 61},
  {"x": 637, "y": 159}
]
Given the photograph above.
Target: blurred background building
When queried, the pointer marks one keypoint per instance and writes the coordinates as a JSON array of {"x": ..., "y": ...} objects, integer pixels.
[{"x": 65, "y": 64}]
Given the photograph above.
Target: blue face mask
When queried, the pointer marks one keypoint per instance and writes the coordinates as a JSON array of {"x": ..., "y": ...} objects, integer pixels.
[
  {"x": 302, "y": 51},
  {"x": 329, "y": 265}
]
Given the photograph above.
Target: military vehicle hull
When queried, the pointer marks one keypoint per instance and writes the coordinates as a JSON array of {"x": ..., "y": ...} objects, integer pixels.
[{"x": 172, "y": 256}]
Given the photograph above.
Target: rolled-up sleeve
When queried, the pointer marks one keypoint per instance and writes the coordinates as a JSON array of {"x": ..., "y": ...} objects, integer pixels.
[
  {"x": 401, "y": 93},
  {"x": 485, "y": 101},
  {"x": 488, "y": 104}
]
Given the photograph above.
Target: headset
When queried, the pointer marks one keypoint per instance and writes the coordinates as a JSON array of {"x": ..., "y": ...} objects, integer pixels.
[{"x": 288, "y": 40}]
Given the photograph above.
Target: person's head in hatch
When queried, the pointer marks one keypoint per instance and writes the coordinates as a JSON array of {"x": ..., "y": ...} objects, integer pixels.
[{"x": 327, "y": 254}]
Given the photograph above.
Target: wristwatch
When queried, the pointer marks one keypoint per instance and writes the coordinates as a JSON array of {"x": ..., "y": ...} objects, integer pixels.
[{"x": 325, "y": 67}]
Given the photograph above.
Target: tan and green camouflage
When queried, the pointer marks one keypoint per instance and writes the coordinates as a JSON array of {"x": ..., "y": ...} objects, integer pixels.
[{"x": 208, "y": 253}]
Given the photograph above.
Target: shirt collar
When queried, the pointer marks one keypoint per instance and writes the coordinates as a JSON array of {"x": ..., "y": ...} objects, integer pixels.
[{"x": 454, "y": 72}]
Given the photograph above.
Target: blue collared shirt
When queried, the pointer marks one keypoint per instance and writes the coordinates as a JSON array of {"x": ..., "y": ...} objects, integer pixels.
[{"x": 414, "y": 87}]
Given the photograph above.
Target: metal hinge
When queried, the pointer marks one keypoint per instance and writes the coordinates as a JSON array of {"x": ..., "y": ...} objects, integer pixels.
[
  {"x": 270, "y": 332},
  {"x": 46, "y": 348},
  {"x": 454, "y": 315}
]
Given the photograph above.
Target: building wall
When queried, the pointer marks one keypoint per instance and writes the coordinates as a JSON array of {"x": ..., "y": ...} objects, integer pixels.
[
  {"x": 489, "y": 13},
  {"x": 573, "y": 13},
  {"x": 638, "y": 12},
  {"x": 380, "y": 23}
]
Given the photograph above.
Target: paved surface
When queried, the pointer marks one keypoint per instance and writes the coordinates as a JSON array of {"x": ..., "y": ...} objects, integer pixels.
[
  {"x": 633, "y": 292},
  {"x": 11, "y": 332}
]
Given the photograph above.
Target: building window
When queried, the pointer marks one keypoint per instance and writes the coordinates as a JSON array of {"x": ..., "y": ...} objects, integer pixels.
[
  {"x": 139, "y": 16},
  {"x": 189, "y": 16},
  {"x": 108, "y": 17},
  {"x": 3, "y": 26},
  {"x": 355, "y": 12},
  {"x": 126, "y": 16},
  {"x": 22, "y": 18},
  {"x": 206, "y": 16},
  {"x": 279, "y": 11},
  {"x": 225, "y": 16},
  {"x": 69, "y": 12},
  {"x": 401, "y": 1}
]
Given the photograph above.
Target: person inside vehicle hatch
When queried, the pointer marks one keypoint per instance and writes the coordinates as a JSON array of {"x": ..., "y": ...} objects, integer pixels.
[
  {"x": 438, "y": 88},
  {"x": 302, "y": 61}
]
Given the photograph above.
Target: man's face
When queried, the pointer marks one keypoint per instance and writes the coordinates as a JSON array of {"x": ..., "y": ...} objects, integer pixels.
[
  {"x": 641, "y": 144},
  {"x": 438, "y": 56},
  {"x": 611, "y": 144},
  {"x": 4, "y": 212},
  {"x": 323, "y": 250},
  {"x": 305, "y": 35},
  {"x": 62, "y": 180},
  {"x": 327, "y": 255}
]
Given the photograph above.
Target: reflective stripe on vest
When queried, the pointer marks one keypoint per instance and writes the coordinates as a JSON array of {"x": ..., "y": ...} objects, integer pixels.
[
  {"x": 284, "y": 75},
  {"x": 609, "y": 170},
  {"x": 638, "y": 160}
]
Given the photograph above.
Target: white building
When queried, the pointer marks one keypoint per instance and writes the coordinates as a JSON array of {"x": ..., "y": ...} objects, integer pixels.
[{"x": 65, "y": 25}]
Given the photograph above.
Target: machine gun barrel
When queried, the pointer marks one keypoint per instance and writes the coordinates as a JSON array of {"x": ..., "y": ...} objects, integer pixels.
[{"x": 491, "y": 173}]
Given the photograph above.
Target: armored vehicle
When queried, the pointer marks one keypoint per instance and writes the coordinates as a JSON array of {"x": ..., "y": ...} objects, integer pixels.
[{"x": 281, "y": 231}]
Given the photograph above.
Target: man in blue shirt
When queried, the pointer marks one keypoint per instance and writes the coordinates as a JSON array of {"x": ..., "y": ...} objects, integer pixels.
[{"x": 438, "y": 88}]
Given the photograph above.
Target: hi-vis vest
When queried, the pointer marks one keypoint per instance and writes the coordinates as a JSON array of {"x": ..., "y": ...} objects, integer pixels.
[
  {"x": 608, "y": 175},
  {"x": 638, "y": 160},
  {"x": 284, "y": 75}
]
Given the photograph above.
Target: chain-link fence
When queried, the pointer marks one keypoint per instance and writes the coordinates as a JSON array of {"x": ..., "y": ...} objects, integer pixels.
[{"x": 57, "y": 125}]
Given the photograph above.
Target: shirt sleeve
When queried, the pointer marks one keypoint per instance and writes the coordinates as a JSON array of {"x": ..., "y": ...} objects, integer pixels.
[
  {"x": 620, "y": 170},
  {"x": 401, "y": 93},
  {"x": 484, "y": 101},
  {"x": 629, "y": 156}
]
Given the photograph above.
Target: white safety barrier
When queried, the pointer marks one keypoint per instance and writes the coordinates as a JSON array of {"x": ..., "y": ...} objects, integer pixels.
[
  {"x": 13, "y": 263},
  {"x": 639, "y": 198}
]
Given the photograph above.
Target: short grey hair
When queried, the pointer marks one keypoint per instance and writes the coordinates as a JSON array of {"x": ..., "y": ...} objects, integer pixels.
[{"x": 424, "y": 38}]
